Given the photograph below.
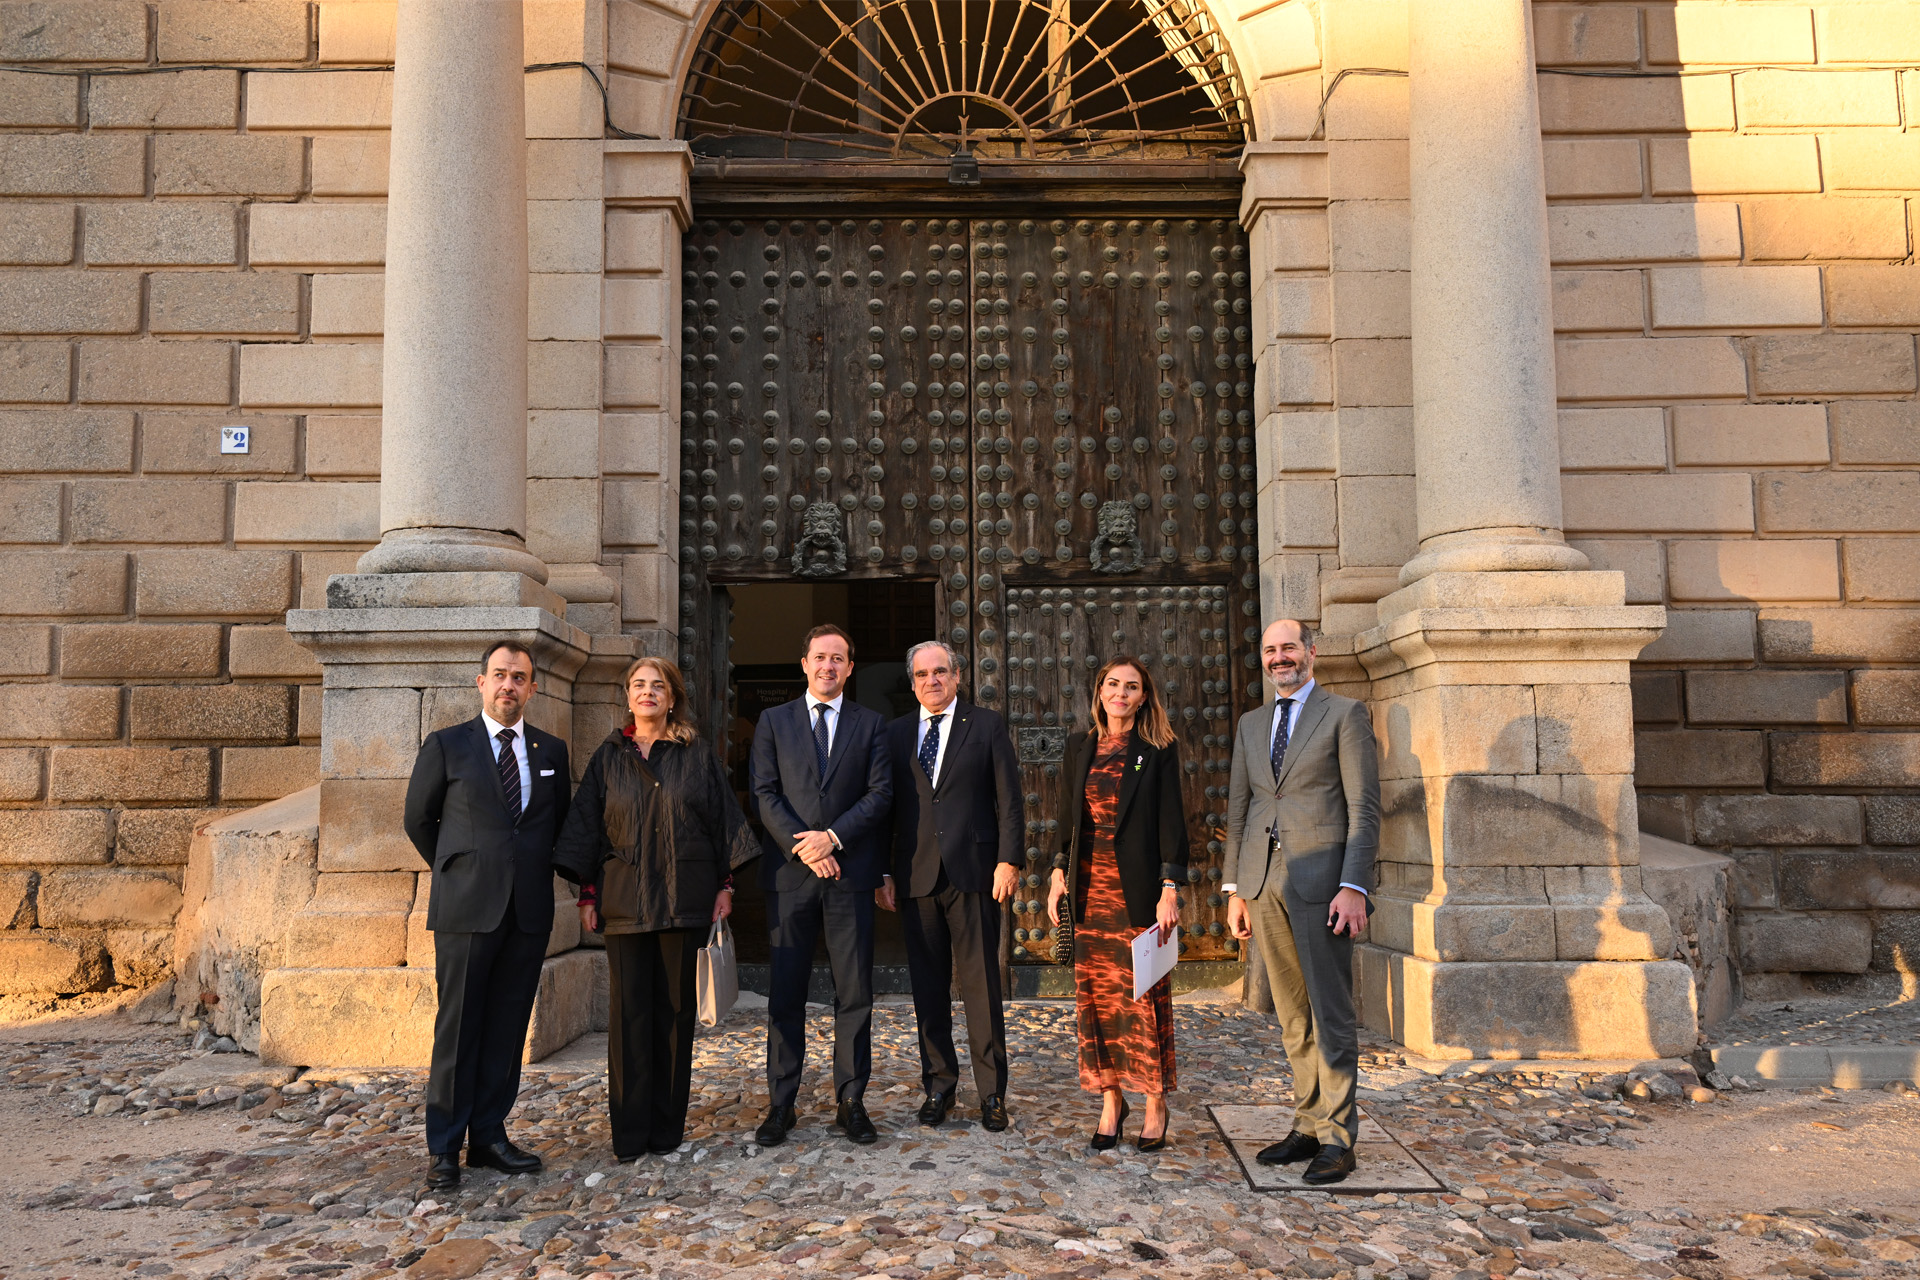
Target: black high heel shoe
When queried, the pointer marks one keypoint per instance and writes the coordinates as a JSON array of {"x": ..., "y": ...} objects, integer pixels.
[
  {"x": 1108, "y": 1141},
  {"x": 1147, "y": 1146}
]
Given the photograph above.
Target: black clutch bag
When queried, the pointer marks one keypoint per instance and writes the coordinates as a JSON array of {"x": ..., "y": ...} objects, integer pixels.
[{"x": 1063, "y": 942}]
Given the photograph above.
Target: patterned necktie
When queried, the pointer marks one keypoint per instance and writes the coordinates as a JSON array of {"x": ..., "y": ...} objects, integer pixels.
[
  {"x": 1283, "y": 713},
  {"x": 930, "y": 745},
  {"x": 509, "y": 767},
  {"x": 821, "y": 745}
]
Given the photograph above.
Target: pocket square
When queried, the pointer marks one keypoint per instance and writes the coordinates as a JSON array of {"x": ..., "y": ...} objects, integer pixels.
[{"x": 546, "y": 773}]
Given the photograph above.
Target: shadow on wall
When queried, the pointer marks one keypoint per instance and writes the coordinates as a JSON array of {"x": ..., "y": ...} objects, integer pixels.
[{"x": 1512, "y": 918}]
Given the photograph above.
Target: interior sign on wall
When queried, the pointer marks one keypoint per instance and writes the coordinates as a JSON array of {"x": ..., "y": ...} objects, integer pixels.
[{"x": 235, "y": 439}]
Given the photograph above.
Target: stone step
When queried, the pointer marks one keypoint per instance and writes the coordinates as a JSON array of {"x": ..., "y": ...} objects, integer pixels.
[
  {"x": 363, "y": 891},
  {"x": 346, "y": 939},
  {"x": 1863, "y": 1066}
]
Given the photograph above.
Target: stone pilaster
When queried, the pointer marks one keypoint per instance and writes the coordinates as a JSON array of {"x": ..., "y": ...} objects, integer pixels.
[
  {"x": 399, "y": 643},
  {"x": 1511, "y": 920},
  {"x": 453, "y": 443},
  {"x": 1486, "y": 450},
  {"x": 1510, "y": 916}
]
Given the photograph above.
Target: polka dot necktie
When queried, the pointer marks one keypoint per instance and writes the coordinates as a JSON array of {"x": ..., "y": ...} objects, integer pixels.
[
  {"x": 930, "y": 746},
  {"x": 1283, "y": 713},
  {"x": 821, "y": 744}
]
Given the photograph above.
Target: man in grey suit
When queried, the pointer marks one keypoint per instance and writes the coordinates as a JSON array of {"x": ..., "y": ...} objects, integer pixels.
[{"x": 1303, "y": 825}]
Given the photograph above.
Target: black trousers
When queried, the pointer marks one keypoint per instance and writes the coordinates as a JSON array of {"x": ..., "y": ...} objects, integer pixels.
[
  {"x": 795, "y": 919},
  {"x": 486, "y": 984},
  {"x": 949, "y": 931},
  {"x": 650, "y": 999}
]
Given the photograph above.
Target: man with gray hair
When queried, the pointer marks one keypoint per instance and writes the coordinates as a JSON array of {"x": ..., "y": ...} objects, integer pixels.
[{"x": 956, "y": 858}]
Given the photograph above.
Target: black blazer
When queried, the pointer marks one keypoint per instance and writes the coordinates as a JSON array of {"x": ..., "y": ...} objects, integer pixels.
[
  {"x": 971, "y": 821},
  {"x": 1150, "y": 829},
  {"x": 456, "y": 816},
  {"x": 853, "y": 800}
]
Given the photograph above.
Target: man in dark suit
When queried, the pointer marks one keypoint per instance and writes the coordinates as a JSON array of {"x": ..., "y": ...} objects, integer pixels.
[
  {"x": 1303, "y": 826},
  {"x": 824, "y": 787},
  {"x": 956, "y": 858},
  {"x": 484, "y": 807}
]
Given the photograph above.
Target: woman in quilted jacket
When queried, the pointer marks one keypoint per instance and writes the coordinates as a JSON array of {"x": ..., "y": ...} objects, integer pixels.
[{"x": 652, "y": 840}]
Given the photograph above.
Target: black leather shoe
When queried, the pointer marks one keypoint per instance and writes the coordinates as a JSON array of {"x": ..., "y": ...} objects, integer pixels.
[
  {"x": 993, "y": 1113},
  {"x": 504, "y": 1156},
  {"x": 1294, "y": 1147},
  {"x": 935, "y": 1108},
  {"x": 1333, "y": 1164},
  {"x": 1108, "y": 1141},
  {"x": 853, "y": 1119},
  {"x": 444, "y": 1173},
  {"x": 774, "y": 1129}
]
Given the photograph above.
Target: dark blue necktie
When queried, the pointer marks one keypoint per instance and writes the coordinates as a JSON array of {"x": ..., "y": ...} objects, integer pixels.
[
  {"x": 1283, "y": 712},
  {"x": 821, "y": 746},
  {"x": 930, "y": 746},
  {"x": 509, "y": 766}
]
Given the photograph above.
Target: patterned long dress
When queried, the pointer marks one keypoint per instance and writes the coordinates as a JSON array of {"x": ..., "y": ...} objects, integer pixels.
[{"x": 1122, "y": 1040}]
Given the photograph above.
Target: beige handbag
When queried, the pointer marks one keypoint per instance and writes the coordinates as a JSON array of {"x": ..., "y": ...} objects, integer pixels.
[{"x": 716, "y": 978}]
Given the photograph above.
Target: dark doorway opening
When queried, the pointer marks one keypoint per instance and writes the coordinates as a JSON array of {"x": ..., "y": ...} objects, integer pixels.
[{"x": 769, "y": 622}]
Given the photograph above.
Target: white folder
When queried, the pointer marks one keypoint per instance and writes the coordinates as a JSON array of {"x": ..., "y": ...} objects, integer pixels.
[{"x": 1153, "y": 959}]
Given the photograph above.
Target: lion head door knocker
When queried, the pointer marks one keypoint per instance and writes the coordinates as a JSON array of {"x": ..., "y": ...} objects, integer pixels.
[
  {"x": 822, "y": 551},
  {"x": 1116, "y": 548}
]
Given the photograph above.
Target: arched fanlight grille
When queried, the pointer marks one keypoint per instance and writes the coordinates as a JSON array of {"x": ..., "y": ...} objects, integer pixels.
[{"x": 1030, "y": 79}]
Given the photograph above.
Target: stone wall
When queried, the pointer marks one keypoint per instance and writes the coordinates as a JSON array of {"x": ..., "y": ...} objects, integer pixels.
[
  {"x": 1736, "y": 310},
  {"x": 191, "y": 249}
]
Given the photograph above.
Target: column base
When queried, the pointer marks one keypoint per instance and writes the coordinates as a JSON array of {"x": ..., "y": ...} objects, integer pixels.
[
  {"x": 1493, "y": 551},
  {"x": 446, "y": 550},
  {"x": 383, "y": 1018},
  {"x": 1526, "y": 1009}
]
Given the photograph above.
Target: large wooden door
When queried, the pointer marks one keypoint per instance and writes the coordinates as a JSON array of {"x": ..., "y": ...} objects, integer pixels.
[{"x": 1051, "y": 418}]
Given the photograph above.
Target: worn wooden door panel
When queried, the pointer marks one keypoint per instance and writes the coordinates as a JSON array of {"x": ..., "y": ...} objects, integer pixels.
[
  {"x": 1114, "y": 356},
  {"x": 1050, "y": 418}
]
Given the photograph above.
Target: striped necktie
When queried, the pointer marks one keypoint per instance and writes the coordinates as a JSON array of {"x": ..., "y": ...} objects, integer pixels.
[{"x": 509, "y": 766}]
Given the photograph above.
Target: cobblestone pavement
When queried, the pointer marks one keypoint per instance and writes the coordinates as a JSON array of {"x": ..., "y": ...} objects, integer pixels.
[
  {"x": 1890, "y": 1017},
  {"x": 327, "y": 1181}
]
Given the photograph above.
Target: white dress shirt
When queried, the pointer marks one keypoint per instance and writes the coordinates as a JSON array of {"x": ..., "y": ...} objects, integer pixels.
[
  {"x": 1298, "y": 701},
  {"x": 519, "y": 732},
  {"x": 833, "y": 716},
  {"x": 946, "y": 736}
]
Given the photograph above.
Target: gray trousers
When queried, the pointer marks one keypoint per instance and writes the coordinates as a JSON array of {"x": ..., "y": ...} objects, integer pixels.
[{"x": 1311, "y": 970}]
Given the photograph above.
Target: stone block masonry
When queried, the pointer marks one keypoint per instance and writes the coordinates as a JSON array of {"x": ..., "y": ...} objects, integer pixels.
[
  {"x": 1736, "y": 369},
  {"x": 155, "y": 230}
]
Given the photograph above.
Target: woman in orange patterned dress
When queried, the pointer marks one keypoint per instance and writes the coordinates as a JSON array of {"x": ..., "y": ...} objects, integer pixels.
[{"x": 1124, "y": 856}]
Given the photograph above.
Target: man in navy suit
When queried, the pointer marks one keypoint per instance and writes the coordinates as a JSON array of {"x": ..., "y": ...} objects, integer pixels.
[
  {"x": 824, "y": 787},
  {"x": 956, "y": 856},
  {"x": 484, "y": 807}
]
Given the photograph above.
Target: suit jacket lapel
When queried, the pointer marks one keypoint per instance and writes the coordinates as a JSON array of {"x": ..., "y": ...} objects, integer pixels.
[
  {"x": 489, "y": 749},
  {"x": 956, "y": 733},
  {"x": 1130, "y": 766},
  {"x": 1265, "y": 775},
  {"x": 838, "y": 751},
  {"x": 1309, "y": 720},
  {"x": 803, "y": 712}
]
